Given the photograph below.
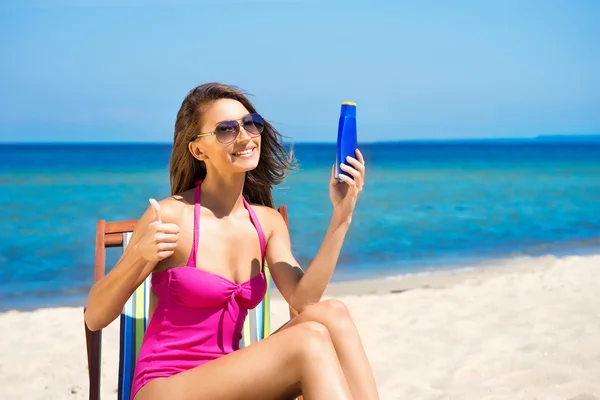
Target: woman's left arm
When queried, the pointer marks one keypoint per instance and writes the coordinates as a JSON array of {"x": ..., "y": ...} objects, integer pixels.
[{"x": 301, "y": 289}]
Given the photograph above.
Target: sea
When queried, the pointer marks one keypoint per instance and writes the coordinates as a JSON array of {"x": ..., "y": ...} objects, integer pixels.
[{"x": 426, "y": 205}]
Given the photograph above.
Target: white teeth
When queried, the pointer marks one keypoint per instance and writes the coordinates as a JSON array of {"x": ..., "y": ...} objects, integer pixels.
[{"x": 243, "y": 153}]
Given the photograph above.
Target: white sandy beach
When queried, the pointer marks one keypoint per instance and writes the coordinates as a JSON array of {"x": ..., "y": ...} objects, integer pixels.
[{"x": 522, "y": 329}]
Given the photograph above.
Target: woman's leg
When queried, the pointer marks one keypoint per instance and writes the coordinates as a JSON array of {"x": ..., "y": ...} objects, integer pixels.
[
  {"x": 335, "y": 316},
  {"x": 300, "y": 360}
]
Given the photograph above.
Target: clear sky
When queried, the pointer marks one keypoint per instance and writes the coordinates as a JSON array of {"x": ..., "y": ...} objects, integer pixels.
[{"x": 95, "y": 71}]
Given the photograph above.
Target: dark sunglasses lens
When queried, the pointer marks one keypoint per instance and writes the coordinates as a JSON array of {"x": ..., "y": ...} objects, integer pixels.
[
  {"x": 254, "y": 124},
  {"x": 227, "y": 131}
]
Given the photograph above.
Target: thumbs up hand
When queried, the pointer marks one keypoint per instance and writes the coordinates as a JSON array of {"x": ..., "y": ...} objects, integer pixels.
[
  {"x": 156, "y": 208},
  {"x": 159, "y": 240}
]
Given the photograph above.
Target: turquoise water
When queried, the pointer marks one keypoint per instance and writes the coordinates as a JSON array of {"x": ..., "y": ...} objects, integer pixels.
[{"x": 425, "y": 205}]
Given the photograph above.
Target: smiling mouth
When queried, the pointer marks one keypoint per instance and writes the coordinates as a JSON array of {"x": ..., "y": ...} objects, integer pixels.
[{"x": 245, "y": 153}]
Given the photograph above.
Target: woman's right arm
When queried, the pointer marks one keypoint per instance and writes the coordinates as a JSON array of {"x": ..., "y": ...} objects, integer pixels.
[{"x": 151, "y": 242}]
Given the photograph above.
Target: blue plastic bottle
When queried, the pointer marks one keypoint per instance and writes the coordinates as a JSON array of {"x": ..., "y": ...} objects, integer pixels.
[{"x": 346, "y": 140}]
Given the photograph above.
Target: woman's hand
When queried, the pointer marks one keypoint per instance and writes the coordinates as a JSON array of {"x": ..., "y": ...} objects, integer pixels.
[
  {"x": 159, "y": 240},
  {"x": 344, "y": 194}
]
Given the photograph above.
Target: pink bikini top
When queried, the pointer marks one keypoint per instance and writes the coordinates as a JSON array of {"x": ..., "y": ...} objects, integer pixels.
[{"x": 191, "y": 287}]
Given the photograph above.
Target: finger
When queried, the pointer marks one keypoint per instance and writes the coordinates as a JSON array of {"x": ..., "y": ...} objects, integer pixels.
[
  {"x": 167, "y": 238},
  {"x": 165, "y": 254},
  {"x": 169, "y": 228},
  {"x": 358, "y": 179},
  {"x": 156, "y": 208},
  {"x": 360, "y": 157},
  {"x": 355, "y": 163},
  {"x": 333, "y": 180},
  {"x": 166, "y": 246},
  {"x": 348, "y": 180},
  {"x": 361, "y": 168},
  {"x": 350, "y": 170}
]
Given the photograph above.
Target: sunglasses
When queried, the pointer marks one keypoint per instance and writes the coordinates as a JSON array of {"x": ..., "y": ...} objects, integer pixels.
[{"x": 227, "y": 131}]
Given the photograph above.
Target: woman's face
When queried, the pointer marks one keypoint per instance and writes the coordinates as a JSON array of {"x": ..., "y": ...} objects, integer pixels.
[{"x": 236, "y": 145}]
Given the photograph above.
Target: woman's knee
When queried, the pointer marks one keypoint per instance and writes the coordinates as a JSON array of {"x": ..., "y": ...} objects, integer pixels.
[
  {"x": 313, "y": 338},
  {"x": 314, "y": 330},
  {"x": 332, "y": 313},
  {"x": 336, "y": 308}
]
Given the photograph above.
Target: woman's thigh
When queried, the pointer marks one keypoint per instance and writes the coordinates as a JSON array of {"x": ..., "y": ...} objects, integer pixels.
[{"x": 268, "y": 369}]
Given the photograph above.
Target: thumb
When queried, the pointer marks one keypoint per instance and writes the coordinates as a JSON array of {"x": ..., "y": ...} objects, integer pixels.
[
  {"x": 156, "y": 208},
  {"x": 333, "y": 180}
]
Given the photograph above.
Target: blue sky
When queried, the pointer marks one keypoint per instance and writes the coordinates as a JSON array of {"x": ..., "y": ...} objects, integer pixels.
[{"x": 87, "y": 71}]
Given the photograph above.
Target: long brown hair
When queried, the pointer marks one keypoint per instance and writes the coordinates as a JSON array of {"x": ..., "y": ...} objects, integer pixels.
[{"x": 275, "y": 162}]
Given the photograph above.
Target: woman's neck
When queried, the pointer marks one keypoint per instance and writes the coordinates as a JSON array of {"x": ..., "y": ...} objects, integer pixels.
[{"x": 223, "y": 194}]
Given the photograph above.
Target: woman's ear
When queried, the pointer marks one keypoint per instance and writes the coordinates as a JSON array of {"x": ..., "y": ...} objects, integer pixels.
[{"x": 196, "y": 151}]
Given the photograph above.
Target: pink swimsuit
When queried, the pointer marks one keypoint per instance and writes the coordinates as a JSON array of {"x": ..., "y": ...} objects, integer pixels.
[{"x": 200, "y": 315}]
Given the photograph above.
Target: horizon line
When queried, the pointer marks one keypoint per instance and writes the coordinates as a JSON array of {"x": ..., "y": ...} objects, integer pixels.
[{"x": 550, "y": 138}]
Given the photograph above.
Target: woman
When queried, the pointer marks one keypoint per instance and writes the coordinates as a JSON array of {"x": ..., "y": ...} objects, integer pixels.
[{"x": 206, "y": 246}]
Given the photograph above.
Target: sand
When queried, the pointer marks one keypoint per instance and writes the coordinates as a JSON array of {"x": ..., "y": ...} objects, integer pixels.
[{"x": 518, "y": 329}]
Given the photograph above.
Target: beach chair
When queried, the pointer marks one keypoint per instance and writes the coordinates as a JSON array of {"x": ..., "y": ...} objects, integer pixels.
[{"x": 134, "y": 317}]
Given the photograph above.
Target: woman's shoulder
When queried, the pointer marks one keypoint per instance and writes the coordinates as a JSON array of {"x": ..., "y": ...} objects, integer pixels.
[
  {"x": 265, "y": 212},
  {"x": 269, "y": 218},
  {"x": 173, "y": 208}
]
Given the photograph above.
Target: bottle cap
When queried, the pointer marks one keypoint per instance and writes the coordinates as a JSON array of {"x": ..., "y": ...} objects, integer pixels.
[{"x": 348, "y": 109}]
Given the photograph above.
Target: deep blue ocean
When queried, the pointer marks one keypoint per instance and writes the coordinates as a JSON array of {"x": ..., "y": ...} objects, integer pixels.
[{"x": 426, "y": 205}]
